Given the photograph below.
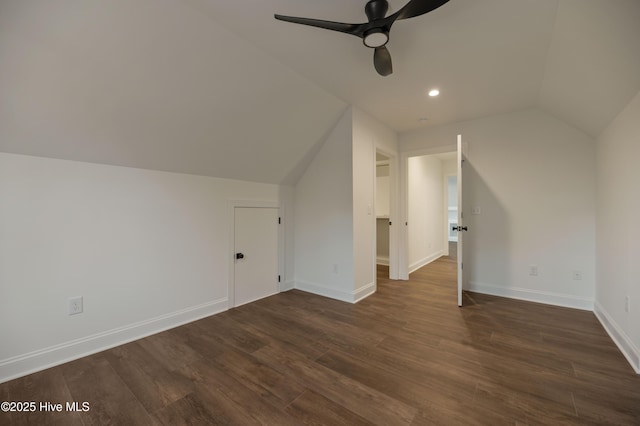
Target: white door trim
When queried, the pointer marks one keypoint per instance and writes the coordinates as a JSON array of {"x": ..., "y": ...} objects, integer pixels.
[
  {"x": 231, "y": 252},
  {"x": 394, "y": 192},
  {"x": 403, "y": 217},
  {"x": 460, "y": 164}
]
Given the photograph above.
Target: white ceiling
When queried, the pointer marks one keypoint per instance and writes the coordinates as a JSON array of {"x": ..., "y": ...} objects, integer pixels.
[{"x": 221, "y": 88}]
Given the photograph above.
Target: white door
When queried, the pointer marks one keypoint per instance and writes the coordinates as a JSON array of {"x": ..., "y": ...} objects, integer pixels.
[
  {"x": 256, "y": 253},
  {"x": 461, "y": 227}
]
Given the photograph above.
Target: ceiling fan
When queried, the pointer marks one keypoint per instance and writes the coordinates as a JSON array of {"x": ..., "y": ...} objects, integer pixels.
[{"x": 375, "y": 33}]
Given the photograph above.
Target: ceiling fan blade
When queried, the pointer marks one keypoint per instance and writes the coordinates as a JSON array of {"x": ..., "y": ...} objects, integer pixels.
[
  {"x": 417, "y": 8},
  {"x": 382, "y": 61},
  {"x": 353, "y": 29}
]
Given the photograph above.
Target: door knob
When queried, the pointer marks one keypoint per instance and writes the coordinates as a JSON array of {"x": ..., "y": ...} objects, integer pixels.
[{"x": 239, "y": 256}]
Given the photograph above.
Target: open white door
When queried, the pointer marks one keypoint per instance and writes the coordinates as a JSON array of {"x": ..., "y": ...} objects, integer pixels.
[{"x": 461, "y": 226}]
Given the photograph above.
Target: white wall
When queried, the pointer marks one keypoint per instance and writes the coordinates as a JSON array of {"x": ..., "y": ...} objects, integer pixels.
[
  {"x": 618, "y": 237},
  {"x": 382, "y": 214},
  {"x": 382, "y": 191},
  {"x": 450, "y": 167},
  {"x": 335, "y": 244},
  {"x": 382, "y": 241},
  {"x": 425, "y": 210},
  {"x": 452, "y": 191},
  {"x": 364, "y": 231},
  {"x": 533, "y": 178},
  {"x": 323, "y": 218},
  {"x": 364, "y": 217},
  {"x": 451, "y": 210},
  {"x": 370, "y": 135},
  {"x": 147, "y": 250},
  {"x": 449, "y": 173}
]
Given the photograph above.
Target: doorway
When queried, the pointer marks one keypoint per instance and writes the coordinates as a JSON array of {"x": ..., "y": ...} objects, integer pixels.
[
  {"x": 413, "y": 246},
  {"x": 383, "y": 209},
  {"x": 428, "y": 199}
]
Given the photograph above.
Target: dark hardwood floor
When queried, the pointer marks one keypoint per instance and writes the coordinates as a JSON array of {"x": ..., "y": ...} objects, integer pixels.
[{"x": 404, "y": 356}]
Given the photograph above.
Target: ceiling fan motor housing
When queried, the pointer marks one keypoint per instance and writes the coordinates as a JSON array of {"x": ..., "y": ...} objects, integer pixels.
[
  {"x": 375, "y": 32},
  {"x": 376, "y": 9}
]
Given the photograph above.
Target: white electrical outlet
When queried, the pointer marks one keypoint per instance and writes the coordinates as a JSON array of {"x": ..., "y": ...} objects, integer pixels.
[
  {"x": 75, "y": 305},
  {"x": 476, "y": 210},
  {"x": 577, "y": 275},
  {"x": 627, "y": 304},
  {"x": 533, "y": 270}
]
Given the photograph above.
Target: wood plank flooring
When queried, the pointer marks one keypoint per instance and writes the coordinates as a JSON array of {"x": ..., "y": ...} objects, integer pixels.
[{"x": 404, "y": 356}]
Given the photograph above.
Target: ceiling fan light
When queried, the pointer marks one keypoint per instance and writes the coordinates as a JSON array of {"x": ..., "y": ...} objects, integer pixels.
[{"x": 375, "y": 38}]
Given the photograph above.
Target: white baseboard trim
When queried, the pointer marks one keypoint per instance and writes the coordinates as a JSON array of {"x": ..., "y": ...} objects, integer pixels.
[
  {"x": 42, "y": 359},
  {"x": 287, "y": 285},
  {"x": 364, "y": 292},
  {"x": 320, "y": 290},
  {"x": 425, "y": 261},
  {"x": 619, "y": 337},
  {"x": 549, "y": 298},
  {"x": 382, "y": 260},
  {"x": 333, "y": 293}
]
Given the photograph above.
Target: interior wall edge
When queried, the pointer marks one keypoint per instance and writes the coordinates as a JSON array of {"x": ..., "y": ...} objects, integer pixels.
[
  {"x": 619, "y": 337},
  {"x": 364, "y": 291},
  {"x": 335, "y": 293},
  {"x": 425, "y": 261},
  {"x": 382, "y": 260},
  {"x": 287, "y": 285}
]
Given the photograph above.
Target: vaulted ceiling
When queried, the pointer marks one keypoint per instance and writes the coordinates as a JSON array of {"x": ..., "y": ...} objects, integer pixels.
[{"x": 220, "y": 88}]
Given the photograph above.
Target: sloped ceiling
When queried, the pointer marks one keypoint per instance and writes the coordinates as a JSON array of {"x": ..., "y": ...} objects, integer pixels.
[
  {"x": 152, "y": 84},
  {"x": 220, "y": 88},
  {"x": 592, "y": 70}
]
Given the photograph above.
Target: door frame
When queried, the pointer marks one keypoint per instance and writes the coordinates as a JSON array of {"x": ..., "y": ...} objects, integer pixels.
[
  {"x": 460, "y": 163},
  {"x": 403, "y": 243},
  {"x": 393, "y": 214},
  {"x": 233, "y": 204}
]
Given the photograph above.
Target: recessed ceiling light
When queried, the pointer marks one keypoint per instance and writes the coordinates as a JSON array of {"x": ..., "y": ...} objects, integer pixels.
[{"x": 433, "y": 93}]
